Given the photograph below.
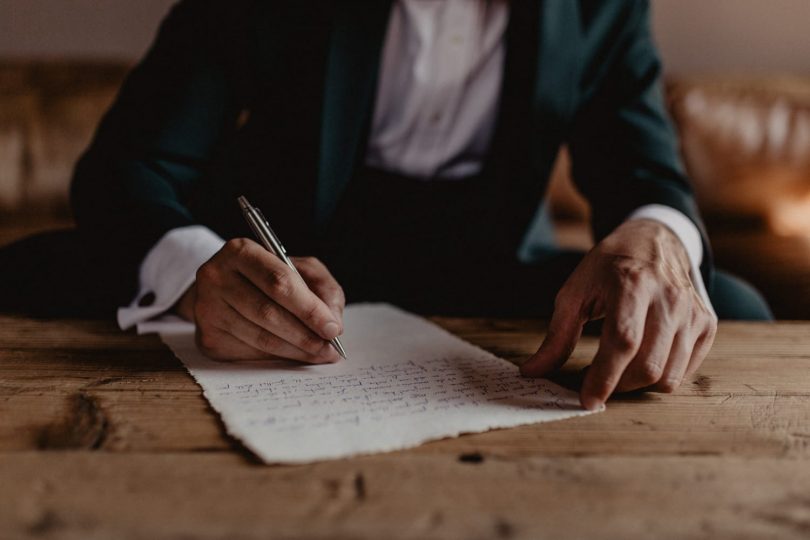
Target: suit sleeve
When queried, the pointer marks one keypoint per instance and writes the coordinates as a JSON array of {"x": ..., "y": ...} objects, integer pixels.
[
  {"x": 624, "y": 147},
  {"x": 151, "y": 149}
]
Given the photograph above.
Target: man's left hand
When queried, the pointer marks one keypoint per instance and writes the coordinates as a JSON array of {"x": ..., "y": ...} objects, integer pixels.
[{"x": 656, "y": 330}]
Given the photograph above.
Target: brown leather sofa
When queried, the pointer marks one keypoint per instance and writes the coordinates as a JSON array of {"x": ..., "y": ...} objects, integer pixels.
[
  {"x": 746, "y": 144},
  {"x": 48, "y": 112}
]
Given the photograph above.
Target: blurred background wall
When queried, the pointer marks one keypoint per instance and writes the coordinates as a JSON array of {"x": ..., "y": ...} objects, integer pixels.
[
  {"x": 740, "y": 36},
  {"x": 116, "y": 29},
  {"x": 696, "y": 36}
]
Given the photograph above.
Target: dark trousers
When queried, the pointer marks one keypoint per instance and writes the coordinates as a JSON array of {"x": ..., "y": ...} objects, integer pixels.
[{"x": 429, "y": 247}]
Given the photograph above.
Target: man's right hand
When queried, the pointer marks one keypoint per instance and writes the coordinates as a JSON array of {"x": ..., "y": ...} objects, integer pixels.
[{"x": 249, "y": 305}]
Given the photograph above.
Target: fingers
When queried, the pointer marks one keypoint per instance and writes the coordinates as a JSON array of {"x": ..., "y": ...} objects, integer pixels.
[
  {"x": 656, "y": 329},
  {"x": 564, "y": 332},
  {"x": 245, "y": 300},
  {"x": 702, "y": 348},
  {"x": 285, "y": 287},
  {"x": 321, "y": 282},
  {"x": 622, "y": 334},
  {"x": 670, "y": 351},
  {"x": 268, "y": 344},
  {"x": 676, "y": 367},
  {"x": 650, "y": 362},
  {"x": 220, "y": 345},
  {"x": 249, "y": 304}
]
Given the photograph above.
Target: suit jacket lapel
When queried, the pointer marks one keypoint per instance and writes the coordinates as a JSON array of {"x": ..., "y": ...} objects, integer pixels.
[
  {"x": 537, "y": 101},
  {"x": 558, "y": 61},
  {"x": 539, "y": 84},
  {"x": 351, "y": 76}
]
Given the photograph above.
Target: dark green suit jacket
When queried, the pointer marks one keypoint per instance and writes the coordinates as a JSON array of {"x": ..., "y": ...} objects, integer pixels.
[{"x": 272, "y": 99}]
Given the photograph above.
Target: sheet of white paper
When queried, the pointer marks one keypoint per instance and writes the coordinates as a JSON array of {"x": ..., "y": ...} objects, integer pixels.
[{"x": 406, "y": 381}]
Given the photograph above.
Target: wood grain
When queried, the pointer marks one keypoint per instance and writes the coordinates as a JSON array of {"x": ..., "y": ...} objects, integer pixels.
[
  {"x": 84, "y": 496},
  {"x": 104, "y": 435}
]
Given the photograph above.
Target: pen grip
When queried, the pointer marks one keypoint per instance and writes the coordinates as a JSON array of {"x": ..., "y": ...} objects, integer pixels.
[
  {"x": 261, "y": 229},
  {"x": 268, "y": 240}
]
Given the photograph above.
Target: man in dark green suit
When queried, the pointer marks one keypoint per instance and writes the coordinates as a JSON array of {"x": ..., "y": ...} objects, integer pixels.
[{"x": 318, "y": 113}]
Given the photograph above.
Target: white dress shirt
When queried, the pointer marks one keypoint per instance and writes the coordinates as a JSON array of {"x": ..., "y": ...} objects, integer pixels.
[
  {"x": 439, "y": 87},
  {"x": 437, "y": 99}
]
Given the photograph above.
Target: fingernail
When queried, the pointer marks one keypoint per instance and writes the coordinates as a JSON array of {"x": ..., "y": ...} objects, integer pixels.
[{"x": 331, "y": 330}]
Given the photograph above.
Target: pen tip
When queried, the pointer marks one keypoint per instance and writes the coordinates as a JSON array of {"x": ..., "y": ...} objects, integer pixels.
[
  {"x": 243, "y": 203},
  {"x": 339, "y": 348}
]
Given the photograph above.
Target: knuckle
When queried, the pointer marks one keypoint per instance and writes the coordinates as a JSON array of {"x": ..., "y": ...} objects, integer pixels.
[
  {"x": 267, "y": 312},
  {"x": 339, "y": 294},
  {"x": 310, "y": 314},
  {"x": 630, "y": 274},
  {"x": 310, "y": 261},
  {"x": 311, "y": 344},
  {"x": 623, "y": 339},
  {"x": 650, "y": 373},
  {"x": 208, "y": 273},
  {"x": 674, "y": 296},
  {"x": 206, "y": 342},
  {"x": 236, "y": 246},
  {"x": 266, "y": 342},
  {"x": 281, "y": 282}
]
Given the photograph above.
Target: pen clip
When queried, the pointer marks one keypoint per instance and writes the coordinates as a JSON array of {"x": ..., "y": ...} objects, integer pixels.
[{"x": 270, "y": 229}]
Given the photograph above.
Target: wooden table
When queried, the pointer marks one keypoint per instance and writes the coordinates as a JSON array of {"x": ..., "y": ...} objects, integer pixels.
[{"x": 104, "y": 435}]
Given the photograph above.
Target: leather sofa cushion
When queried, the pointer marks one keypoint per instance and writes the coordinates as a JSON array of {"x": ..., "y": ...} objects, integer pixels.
[
  {"x": 15, "y": 112},
  {"x": 747, "y": 148},
  {"x": 48, "y": 113}
]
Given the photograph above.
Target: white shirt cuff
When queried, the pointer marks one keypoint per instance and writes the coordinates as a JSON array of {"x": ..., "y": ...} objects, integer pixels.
[
  {"x": 689, "y": 235},
  {"x": 167, "y": 271}
]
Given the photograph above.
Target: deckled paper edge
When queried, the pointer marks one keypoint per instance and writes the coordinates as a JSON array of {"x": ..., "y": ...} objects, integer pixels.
[
  {"x": 166, "y": 339},
  {"x": 239, "y": 435}
]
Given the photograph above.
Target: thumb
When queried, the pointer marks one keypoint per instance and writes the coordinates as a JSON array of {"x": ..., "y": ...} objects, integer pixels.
[{"x": 564, "y": 332}]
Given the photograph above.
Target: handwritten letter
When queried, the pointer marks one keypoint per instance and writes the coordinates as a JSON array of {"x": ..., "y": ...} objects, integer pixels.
[{"x": 406, "y": 381}]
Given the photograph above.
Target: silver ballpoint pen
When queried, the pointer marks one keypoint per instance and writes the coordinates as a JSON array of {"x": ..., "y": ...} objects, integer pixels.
[{"x": 268, "y": 239}]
